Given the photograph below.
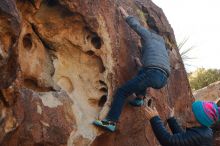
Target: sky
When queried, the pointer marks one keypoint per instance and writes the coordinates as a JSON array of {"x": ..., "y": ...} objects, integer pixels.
[{"x": 199, "y": 21}]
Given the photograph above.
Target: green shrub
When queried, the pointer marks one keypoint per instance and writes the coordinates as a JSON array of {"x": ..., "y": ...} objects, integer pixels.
[{"x": 202, "y": 78}]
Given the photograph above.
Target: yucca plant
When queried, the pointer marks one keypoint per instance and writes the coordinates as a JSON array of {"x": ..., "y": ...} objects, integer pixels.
[{"x": 185, "y": 51}]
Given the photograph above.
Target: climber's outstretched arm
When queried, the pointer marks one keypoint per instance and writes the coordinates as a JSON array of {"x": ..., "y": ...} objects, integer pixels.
[
  {"x": 135, "y": 24},
  {"x": 164, "y": 137},
  {"x": 173, "y": 124}
]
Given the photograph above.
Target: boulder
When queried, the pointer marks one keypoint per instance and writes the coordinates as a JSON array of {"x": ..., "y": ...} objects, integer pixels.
[
  {"x": 62, "y": 61},
  {"x": 209, "y": 93}
]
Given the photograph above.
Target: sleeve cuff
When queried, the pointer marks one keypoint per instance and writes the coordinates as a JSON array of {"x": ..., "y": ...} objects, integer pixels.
[
  {"x": 129, "y": 18},
  {"x": 171, "y": 119},
  {"x": 155, "y": 119}
]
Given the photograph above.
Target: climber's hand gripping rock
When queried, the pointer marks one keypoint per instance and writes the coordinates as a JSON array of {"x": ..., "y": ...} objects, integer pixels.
[{"x": 150, "y": 112}]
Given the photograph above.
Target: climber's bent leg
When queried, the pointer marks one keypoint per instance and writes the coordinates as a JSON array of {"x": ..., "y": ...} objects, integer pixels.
[
  {"x": 118, "y": 101},
  {"x": 149, "y": 78},
  {"x": 136, "y": 84}
]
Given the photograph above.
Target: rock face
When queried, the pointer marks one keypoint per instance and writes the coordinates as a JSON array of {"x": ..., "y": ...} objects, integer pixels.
[
  {"x": 209, "y": 93},
  {"x": 60, "y": 63}
]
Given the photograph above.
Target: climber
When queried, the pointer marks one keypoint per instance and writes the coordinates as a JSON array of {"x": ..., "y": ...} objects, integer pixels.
[
  {"x": 154, "y": 73},
  {"x": 204, "y": 115}
]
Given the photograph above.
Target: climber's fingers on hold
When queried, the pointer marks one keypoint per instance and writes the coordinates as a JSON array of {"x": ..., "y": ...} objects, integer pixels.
[
  {"x": 150, "y": 112},
  {"x": 147, "y": 112}
]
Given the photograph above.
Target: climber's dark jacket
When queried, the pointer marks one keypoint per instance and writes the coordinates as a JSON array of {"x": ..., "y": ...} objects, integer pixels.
[
  {"x": 154, "y": 52},
  {"x": 198, "y": 136}
]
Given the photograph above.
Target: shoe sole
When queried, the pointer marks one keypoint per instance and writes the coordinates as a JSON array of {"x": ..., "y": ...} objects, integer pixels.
[
  {"x": 135, "y": 105},
  {"x": 101, "y": 126}
]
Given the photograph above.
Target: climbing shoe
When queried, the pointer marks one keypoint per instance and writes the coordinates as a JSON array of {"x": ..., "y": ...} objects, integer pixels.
[
  {"x": 106, "y": 124},
  {"x": 137, "y": 102}
]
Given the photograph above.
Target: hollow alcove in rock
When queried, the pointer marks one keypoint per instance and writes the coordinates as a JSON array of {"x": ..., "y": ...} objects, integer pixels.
[
  {"x": 35, "y": 62},
  {"x": 78, "y": 65},
  {"x": 66, "y": 84},
  {"x": 105, "y": 90},
  {"x": 102, "y": 100},
  {"x": 90, "y": 53},
  {"x": 96, "y": 41},
  {"x": 27, "y": 41}
]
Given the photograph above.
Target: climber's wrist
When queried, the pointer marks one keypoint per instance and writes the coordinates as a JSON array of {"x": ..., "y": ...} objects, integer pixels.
[
  {"x": 126, "y": 15},
  {"x": 123, "y": 12}
]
